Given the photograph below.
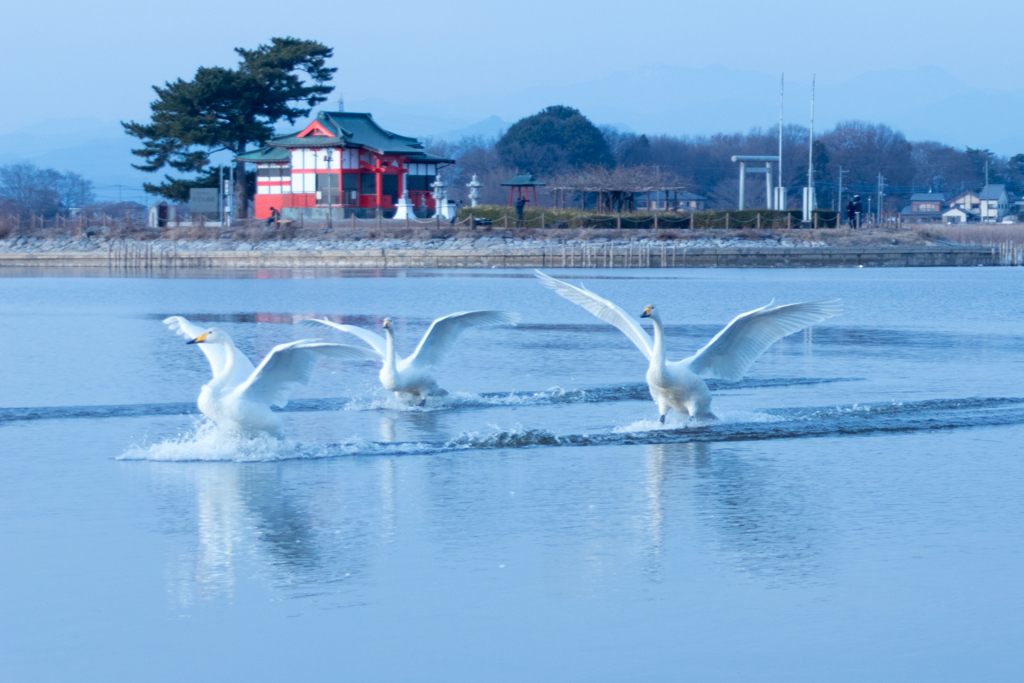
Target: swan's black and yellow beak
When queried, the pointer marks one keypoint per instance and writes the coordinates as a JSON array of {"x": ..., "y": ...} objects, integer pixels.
[
  {"x": 387, "y": 323},
  {"x": 200, "y": 339},
  {"x": 646, "y": 313}
]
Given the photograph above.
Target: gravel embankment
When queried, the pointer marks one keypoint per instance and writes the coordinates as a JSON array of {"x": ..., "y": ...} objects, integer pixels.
[{"x": 25, "y": 244}]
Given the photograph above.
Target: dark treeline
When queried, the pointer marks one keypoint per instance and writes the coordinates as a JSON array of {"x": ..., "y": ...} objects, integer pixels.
[{"x": 704, "y": 164}]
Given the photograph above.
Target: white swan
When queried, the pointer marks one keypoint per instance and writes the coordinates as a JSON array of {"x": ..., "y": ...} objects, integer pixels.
[
  {"x": 412, "y": 375},
  {"x": 679, "y": 385},
  {"x": 239, "y": 396}
]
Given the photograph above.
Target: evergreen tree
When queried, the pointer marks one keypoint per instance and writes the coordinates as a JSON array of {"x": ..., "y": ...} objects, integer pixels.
[
  {"x": 553, "y": 139},
  {"x": 229, "y": 109}
]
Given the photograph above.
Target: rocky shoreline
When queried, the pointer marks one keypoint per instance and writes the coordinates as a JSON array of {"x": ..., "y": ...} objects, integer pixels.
[{"x": 93, "y": 244}]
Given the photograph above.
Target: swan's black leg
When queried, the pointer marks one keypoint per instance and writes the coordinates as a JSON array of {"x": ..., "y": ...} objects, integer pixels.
[
  {"x": 662, "y": 419},
  {"x": 423, "y": 403}
]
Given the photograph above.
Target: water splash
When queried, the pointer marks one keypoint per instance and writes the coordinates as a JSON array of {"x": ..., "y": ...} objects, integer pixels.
[
  {"x": 208, "y": 443},
  {"x": 458, "y": 400},
  {"x": 675, "y": 421}
]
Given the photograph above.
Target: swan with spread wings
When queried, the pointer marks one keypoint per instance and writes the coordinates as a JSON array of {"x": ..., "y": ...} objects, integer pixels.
[
  {"x": 239, "y": 396},
  {"x": 679, "y": 385},
  {"x": 413, "y": 376}
]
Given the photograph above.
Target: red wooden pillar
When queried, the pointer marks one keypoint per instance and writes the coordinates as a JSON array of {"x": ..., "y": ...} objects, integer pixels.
[
  {"x": 341, "y": 185},
  {"x": 378, "y": 170}
]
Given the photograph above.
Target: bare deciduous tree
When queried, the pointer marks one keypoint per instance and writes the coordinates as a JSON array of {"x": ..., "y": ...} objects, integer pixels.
[
  {"x": 25, "y": 189},
  {"x": 704, "y": 164}
]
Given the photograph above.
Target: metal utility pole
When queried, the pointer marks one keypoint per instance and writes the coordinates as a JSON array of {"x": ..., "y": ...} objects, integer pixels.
[
  {"x": 881, "y": 193},
  {"x": 220, "y": 189},
  {"x": 231, "y": 193},
  {"x": 839, "y": 199}
]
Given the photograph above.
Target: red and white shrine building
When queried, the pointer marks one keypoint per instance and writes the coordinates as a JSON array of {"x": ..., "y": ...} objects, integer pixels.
[{"x": 342, "y": 160}]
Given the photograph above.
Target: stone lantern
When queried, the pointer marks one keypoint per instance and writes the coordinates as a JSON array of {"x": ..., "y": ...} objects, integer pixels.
[
  {"x": 444, "y": 208},
  {"x": 474, "y": 191}
]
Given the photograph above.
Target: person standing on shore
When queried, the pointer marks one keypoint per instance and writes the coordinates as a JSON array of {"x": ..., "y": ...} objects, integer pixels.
[
  {"x": 853, "y": 210},
  {"x": 520, "y": 205}
]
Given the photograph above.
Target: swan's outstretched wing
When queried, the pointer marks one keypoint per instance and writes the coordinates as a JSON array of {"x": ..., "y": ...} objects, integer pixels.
[
  {"x": 288, "y": 365},
  {"x": 603, "y": 309},
  {"x": 372, "y": 338},
  {"x": 444, "y": 331},
  {"x": 215, "y": 353},
  {"x": 733, "y": 350}
]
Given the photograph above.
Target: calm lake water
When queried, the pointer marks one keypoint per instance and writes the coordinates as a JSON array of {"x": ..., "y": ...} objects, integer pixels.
[{"x": 856, "y": 515}]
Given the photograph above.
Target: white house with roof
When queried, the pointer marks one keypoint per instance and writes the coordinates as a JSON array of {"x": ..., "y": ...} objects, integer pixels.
[
  {"x": 969, "y": 201},
  {"x": 958, "y": 214},
  {"x": 995, "y": 203}
]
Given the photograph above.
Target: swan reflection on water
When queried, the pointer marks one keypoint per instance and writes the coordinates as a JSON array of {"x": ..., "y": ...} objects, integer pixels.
[
  {"x": 320, "y": 528},
  {"x": 769, "y": 523},
  {"x": 410, "y": 425},
  {"x": 301, "y": 538}
]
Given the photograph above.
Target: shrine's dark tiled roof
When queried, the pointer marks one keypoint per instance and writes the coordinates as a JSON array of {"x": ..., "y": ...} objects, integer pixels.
[
  {"x": 267, "y": 155},
  {"x": 359, "y": 131}
]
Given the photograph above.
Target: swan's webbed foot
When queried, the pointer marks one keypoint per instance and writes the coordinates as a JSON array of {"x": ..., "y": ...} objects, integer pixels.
[{"x": 422, "y": 404}]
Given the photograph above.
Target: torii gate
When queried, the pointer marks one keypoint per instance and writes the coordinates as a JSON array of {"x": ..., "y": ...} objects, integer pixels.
[{"x": 767, "y": 170}]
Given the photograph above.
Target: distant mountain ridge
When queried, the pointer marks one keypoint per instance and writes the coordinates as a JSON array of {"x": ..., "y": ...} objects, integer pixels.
[{"x": 925, "y": 104}]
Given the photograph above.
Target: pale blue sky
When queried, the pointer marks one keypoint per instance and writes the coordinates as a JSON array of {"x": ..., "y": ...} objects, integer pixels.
[{"x": 66, "y": 59}]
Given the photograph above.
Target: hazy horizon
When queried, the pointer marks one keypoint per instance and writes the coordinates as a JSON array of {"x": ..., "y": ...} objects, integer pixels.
[{"x": 677, "y": 70}]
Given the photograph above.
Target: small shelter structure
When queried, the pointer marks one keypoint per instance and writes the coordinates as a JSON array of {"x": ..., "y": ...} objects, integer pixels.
[
  {"x": 618, "y": 189},
  {"x": 161, "y": 214},
  {"x": 520, "y": 186}
]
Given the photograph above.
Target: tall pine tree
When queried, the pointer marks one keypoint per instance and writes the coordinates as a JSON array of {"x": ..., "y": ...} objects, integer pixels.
[{"x": 229, "y": 109}]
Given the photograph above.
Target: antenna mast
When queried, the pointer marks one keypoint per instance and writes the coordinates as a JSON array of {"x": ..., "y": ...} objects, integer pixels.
[
  {"x": 809, "y": 190},
  {"x": 810, "y": 145},
  {"x": 782, "y": 102}
]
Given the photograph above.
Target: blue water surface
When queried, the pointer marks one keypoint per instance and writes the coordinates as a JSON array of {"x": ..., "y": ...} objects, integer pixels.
[{"x": 855, "y": 515}]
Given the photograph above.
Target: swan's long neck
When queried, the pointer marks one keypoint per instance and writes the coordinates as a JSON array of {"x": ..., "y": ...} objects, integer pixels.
[
  {"x": 389, "y": 351},
  {"x": 658, "y": 357},
  {"x": 231, "y": 361}
]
